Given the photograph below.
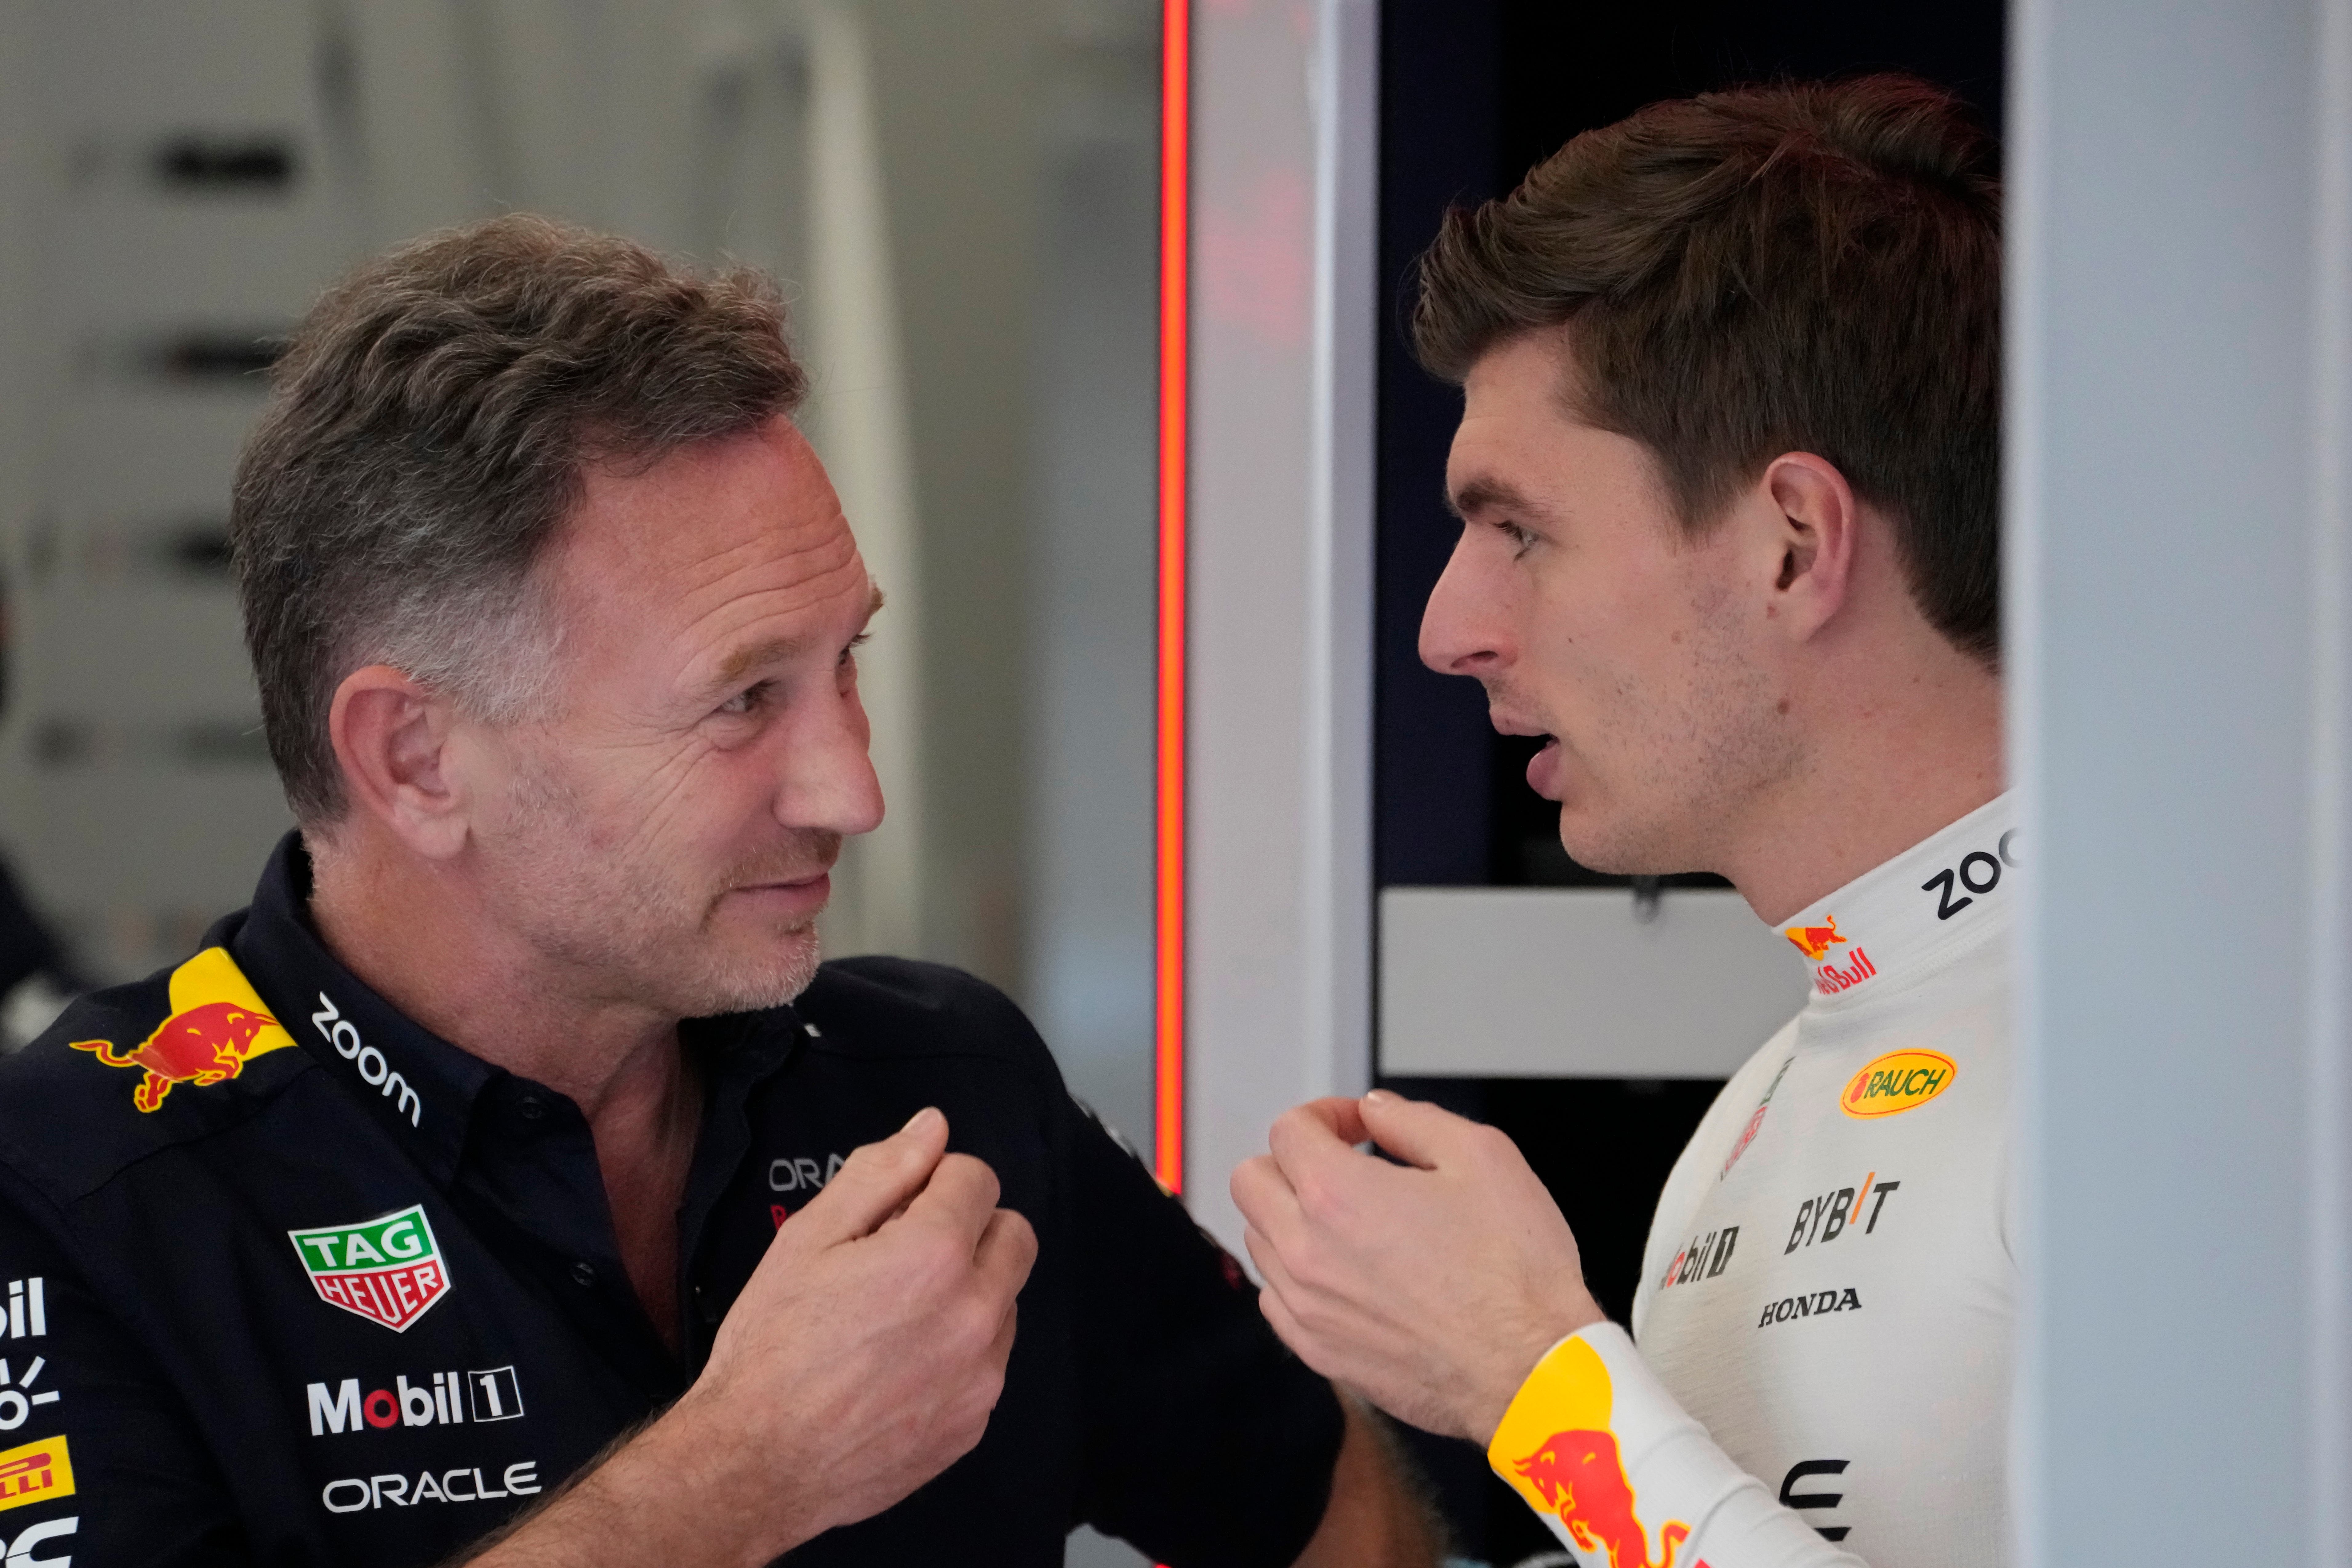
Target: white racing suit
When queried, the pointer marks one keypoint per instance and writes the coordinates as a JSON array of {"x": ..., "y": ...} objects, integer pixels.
[{"x": 1825, "y": 1317}]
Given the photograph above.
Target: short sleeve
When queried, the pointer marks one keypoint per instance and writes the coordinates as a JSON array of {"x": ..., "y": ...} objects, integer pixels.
[
  {"x": 1208, "y": 1445},
  {"x": 99, "y": 1462}
]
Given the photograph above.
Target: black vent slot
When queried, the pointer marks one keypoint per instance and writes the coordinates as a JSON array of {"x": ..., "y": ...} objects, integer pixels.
[
  {"x": 240, "y": 166},
  {"x": 199, "y": 549},
  {"x": 216, "y": 356}
]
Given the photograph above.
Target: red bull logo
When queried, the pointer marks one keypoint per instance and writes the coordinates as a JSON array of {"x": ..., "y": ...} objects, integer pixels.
[
  {"x": 217, "y": 1024},
  {"x": 1577, "y": 1474},
  {"x": 1814, "y": 941},
  {"x": 1581, "y": 1478}
]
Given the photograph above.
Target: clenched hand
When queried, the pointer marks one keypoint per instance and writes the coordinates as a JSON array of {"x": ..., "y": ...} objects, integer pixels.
[
  {"x": 864, "y": 1357},
  {"x": 1434, "y": 1286}
]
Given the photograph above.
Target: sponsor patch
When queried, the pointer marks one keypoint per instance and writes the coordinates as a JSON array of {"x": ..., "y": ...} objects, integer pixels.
[
  {"x": 1805, "y": 1469},
  {"x": 1814, "y": 941},
  {"x": 1703, "y": 1258},
  {"x": 1754, "y": 1123},
  {"x": 37, "y": 1472},
  {"x": 1557, "y": 1449},
  {"x": 374, "y": 1068},
  {"x": 446, "y": 1398},
  {"x": 1896, "y": 1082},
  {"x": 1829, "y": 979},
  {"x": 1839, "y": 1213},
  {"x": 28, "y": 1308},
  {"x": 387, "y": 1270},
  {"x": 20, "y": 1550},
  {"x": 1817, "y": 1304},
  {"x": 217, "y": 1024},
  {"x": 358, "y": 1494},
  {"x": 19, "y": 1399}
]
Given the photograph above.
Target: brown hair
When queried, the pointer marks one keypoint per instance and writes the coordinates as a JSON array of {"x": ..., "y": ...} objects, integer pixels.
[
  {"x": 1795, "y": 268},
  {"x": 426, "y": 435}
]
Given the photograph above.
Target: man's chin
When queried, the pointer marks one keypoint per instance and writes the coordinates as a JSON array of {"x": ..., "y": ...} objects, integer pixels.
[
  {"x": 1617, "y": 849},
  {"x": 760, "y": 976}
]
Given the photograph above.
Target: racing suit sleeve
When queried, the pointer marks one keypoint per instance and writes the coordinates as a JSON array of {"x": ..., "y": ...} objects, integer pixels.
[
  {"x": 101, "y": 1465},
  {"x": 1625, "y": 1475}
]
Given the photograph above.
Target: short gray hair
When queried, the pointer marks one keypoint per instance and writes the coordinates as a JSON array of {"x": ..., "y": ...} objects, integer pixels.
[{"x": 426, "y": 432}]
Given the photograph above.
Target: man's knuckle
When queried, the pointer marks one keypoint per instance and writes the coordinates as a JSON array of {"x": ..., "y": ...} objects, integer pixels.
[
  {"x": 1492, "y": 1144},
  {"x": 1326, "y": 1202}
]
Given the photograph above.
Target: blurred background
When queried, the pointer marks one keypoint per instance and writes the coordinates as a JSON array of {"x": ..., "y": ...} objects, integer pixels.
[{"x": 961, "y": 201}]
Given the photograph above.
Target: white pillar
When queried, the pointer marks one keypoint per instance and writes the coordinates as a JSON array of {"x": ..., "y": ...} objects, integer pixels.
[
  {"x": 2178, "y": 430},
  {"x": 1278, "y": 875}
]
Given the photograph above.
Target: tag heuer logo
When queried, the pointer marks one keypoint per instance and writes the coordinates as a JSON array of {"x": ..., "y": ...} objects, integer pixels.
[{"x": 388, "y": 1271}]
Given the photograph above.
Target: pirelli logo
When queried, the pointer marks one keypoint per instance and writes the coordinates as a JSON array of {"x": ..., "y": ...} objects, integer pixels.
[{"x": 37, "y": 1472}]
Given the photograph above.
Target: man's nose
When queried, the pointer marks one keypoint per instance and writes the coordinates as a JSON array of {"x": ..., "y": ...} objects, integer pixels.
[
  {"x": 1458, "y": 626},
  {"x": 829, "y": 781}
]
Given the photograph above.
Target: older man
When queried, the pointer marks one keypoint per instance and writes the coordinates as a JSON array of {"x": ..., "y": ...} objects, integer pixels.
[{"x": 510, "y": 1176}]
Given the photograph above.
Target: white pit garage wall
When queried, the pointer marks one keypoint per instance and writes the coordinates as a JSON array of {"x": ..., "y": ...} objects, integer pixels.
[
  {"x": 1278, "y": 870},
  {"x": 2180, "y": 417}
]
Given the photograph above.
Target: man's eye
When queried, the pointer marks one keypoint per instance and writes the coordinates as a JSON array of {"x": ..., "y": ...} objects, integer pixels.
[
  {"x": 849, "y": 654},
  {"x": 1519, "y": 537},
  {"x": 746, "y": 701}
]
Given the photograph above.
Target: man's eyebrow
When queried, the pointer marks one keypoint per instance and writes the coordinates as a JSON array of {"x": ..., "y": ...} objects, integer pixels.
[
  {"x": 1486, "y": 493},
  {"x": 776, "y": 650}
]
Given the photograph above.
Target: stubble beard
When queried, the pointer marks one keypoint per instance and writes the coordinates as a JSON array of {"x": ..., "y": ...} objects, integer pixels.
[
  {"x": 626, "y": 928},
  {"x": 1696, "y": 760}
]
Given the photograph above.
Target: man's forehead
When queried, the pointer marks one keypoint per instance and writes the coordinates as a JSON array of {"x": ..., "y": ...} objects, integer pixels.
[
  {"x": 743, "y": 514},
  {"x": 759, "y": 653}
]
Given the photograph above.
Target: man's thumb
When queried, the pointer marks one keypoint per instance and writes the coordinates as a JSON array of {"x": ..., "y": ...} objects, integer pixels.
[
  {"x": 876, "y": 1182},
  {"x": 1413, "y": 1131}
]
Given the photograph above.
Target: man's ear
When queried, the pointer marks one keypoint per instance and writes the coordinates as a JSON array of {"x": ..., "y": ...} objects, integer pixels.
[
  {"x": 391, "y": 737},
  {"x": 1817, "y": 524}
]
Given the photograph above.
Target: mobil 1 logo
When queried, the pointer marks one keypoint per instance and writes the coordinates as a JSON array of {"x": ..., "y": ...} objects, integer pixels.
[{"x": 443, "y": 1399}]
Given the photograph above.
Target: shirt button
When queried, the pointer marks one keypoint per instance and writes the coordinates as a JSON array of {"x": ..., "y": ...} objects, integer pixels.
[
  {"x": 583, "y": 1274},
  {"x": 532, "y": 1108}
]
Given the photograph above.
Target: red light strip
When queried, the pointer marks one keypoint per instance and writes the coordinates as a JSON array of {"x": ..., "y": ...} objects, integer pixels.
[{"x": 1168, "y": 959}]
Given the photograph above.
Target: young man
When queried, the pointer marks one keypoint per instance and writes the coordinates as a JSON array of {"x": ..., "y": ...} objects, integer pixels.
[
  {"x": 1727, "y": 474},
  {"x": 509, "y": 1179}
]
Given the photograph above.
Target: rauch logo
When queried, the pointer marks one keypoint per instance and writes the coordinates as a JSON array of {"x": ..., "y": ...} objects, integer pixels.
[{"x": 1896, "y": 1082}]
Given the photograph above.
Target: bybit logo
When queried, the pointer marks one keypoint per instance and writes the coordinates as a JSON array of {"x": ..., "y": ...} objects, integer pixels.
[{"x": 1832, "y": 1215}]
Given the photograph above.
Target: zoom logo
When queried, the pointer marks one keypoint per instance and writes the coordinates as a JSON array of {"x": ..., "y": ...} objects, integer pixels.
[
  {"x": 374, "y": 1071},
  {"x": 1978, "y": 872}
]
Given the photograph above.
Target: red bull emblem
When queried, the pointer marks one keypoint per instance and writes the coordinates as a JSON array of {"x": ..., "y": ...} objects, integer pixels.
[
  {"x": 1814, "y": 941},
  {"x": 1580, "y": 1477},
  {"x": 217, "y": 1024}
]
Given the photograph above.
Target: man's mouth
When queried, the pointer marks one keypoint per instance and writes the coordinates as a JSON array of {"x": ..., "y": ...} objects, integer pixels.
[
  {"x": 797, "y": 900},
  {"x": 1544, "y": 767}
]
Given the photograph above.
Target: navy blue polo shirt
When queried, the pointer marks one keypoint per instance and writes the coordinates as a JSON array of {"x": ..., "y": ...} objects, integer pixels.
[{"x": 290, "y": 1279}]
